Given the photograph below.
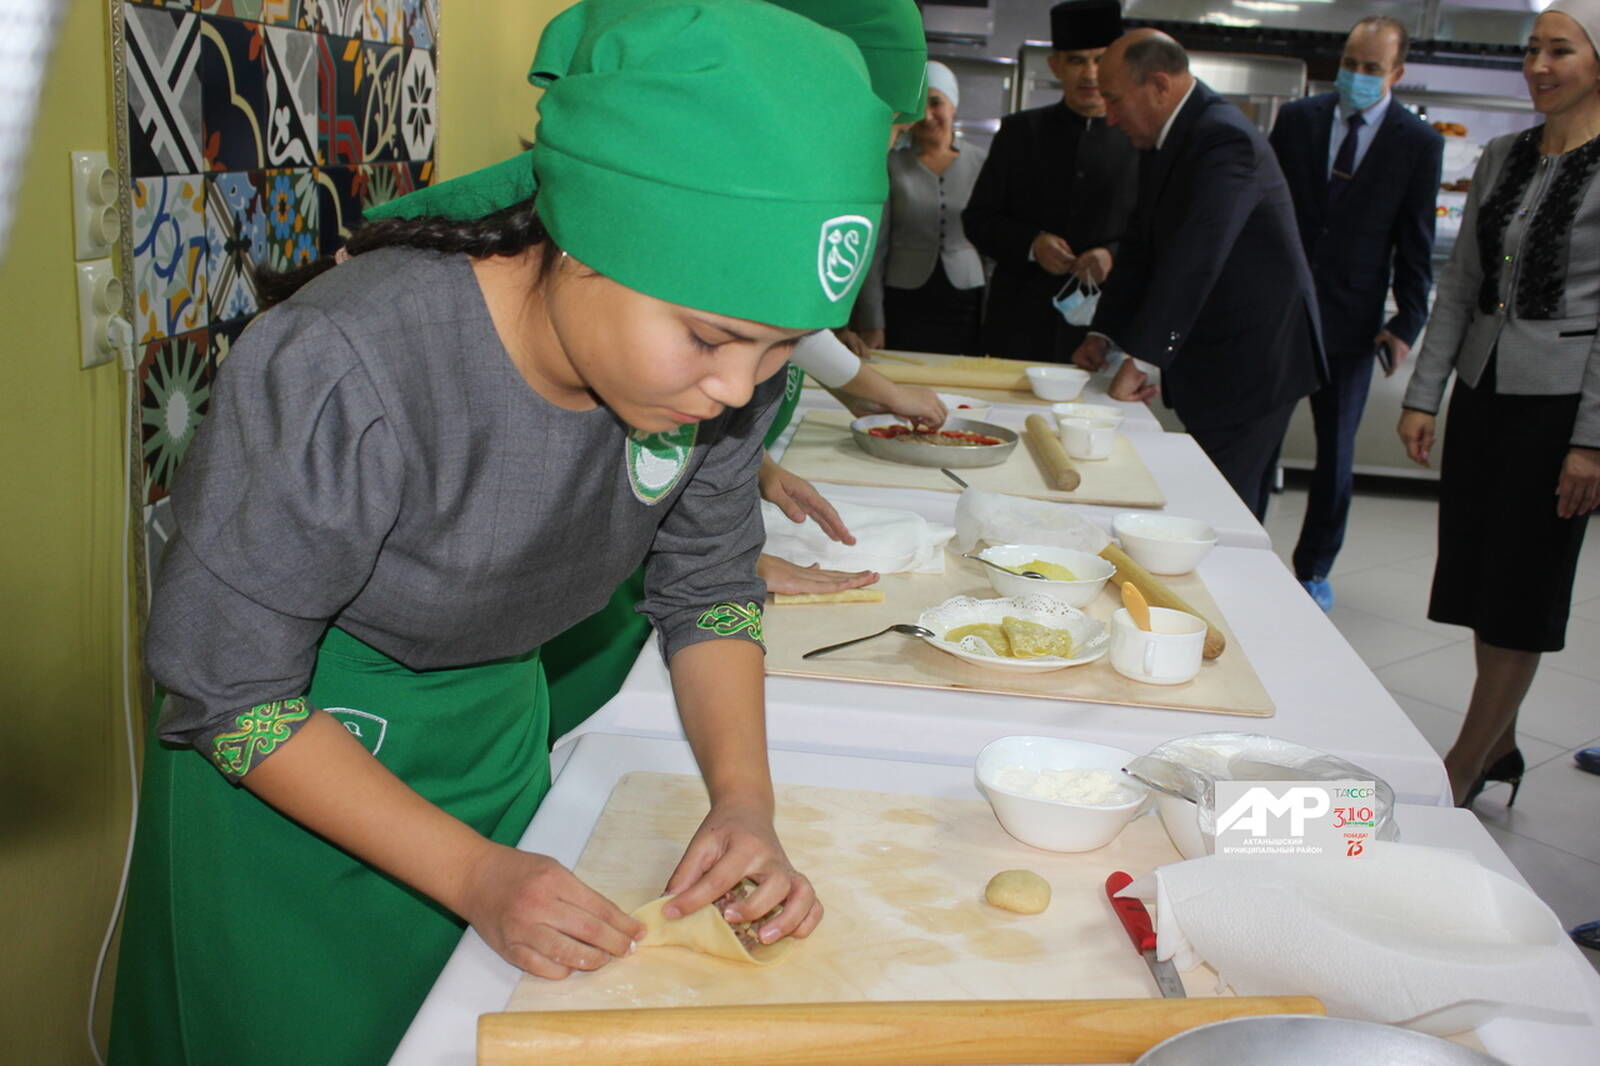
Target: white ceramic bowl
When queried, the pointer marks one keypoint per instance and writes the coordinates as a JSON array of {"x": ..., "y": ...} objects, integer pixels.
[
  {"x": 1102, "y": 413},
  {"x": 1090, "y": 636},
  {"x": 1181, "y": 819},
  {"x": 1092, "y": 572},
  {"x": 965, "y": 406},
  {"x": 1164, "y": 544},
  {"x": 1055, "y": 825},
  {"x": 1057, "y": 383}
]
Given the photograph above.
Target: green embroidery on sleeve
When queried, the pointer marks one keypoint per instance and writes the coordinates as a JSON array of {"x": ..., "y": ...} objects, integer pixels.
[
  {"x": 256, "y": 734},
  {"x": 729, "y": 619}
]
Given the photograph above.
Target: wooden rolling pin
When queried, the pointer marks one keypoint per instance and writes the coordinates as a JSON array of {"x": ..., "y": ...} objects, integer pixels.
[
  {"x": 1157, "y": 594},
  {"x": 1052, "y": 457},
  {"x": 856, "y": 1034},
  {"x": 1004, "y": 374}
]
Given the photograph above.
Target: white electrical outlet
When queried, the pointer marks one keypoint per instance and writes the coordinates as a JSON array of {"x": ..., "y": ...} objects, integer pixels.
[
  {"x": 102, "y": 331},
  {"x": 96, "y": 222}
]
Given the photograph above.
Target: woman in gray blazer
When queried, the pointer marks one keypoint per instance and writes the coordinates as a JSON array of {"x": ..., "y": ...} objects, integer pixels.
[
  {"x": 925, "y": 290},
  {"x": 1515, "y": 320}
]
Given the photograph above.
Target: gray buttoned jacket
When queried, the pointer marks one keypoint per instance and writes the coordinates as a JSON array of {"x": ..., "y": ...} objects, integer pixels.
[
  {"x": 921, "y": 227},
  {"x": 1557, "y": 268}
]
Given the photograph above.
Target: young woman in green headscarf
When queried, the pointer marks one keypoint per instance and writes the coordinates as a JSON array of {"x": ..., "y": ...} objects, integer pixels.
[
  {"x": 588, "y": 664},
  {"x": 437, "y": 455}
]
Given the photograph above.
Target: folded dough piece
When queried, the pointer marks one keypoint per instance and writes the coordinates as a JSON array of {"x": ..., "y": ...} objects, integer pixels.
[
  {"x": 707, "y": 931},
  {"x": 844, "y": 596}
]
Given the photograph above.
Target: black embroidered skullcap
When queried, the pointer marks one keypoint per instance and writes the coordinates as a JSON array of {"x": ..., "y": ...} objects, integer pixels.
[{"x": 1080, "y": 24}]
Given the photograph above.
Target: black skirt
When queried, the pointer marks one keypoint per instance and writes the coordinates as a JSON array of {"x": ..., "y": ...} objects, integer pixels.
[
  {"x": 1506, "y": 559},
  {"x": 935, "y": 317}
]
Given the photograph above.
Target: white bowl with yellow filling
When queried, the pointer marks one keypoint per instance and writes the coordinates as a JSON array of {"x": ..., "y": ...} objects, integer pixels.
[
  {"x": 1023, "y": 634},
  {"x": 1073, "y": 577}
]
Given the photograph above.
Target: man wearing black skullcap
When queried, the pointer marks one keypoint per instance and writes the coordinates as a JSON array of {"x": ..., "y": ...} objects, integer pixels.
[{"x": 1055, "y": 194}]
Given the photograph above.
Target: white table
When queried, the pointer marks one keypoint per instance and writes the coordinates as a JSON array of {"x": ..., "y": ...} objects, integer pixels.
[
  {"x": 1137, "y": 417},
  {"x": 477, "y": 981},
  {"x": 1193, "y": 486},
  {"x": 1326, "y": 698}
]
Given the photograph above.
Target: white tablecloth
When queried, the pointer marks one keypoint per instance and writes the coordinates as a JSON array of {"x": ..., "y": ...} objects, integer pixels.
[
  {"x": 1193, "y": 486},
  {"x": 477, "y": 981},
  {"x": 1325, "y": 695}
]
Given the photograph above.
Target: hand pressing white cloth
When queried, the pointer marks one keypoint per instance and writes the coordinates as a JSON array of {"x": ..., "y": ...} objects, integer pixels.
[
  {"x": 1407, "y": 935},
  {"x": 887, "y": 541}
]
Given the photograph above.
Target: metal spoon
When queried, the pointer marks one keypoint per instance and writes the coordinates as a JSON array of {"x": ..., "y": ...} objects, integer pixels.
[
  {"x": 1145, "y": 781},
  {"x": 1034, "y": 574},
  {"x": 908, "y": 630}
]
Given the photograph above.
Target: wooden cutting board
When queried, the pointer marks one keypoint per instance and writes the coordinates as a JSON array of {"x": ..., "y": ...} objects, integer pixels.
[
  {"x": 823, "y": 450},
  {"x": 902, "y": 878},
  {"x": 955, "y": 371},
  {"x": 1227, "y": 684}
]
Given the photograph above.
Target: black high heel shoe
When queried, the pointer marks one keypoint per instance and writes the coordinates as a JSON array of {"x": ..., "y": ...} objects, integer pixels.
[{"x": 1508, "y": 768}]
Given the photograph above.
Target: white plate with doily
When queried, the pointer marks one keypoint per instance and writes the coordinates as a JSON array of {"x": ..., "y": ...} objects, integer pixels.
[{"x": 1090, "y": 637}]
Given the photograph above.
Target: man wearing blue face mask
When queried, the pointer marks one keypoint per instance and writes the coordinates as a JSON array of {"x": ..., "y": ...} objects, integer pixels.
[{"x": 1364, "y": 173}]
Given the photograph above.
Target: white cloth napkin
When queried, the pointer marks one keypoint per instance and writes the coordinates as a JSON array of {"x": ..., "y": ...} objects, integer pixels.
[
  {"x": 1001, "y": 519},
  {"x": 887, "y": 541},
  {"x": 1407, "y": 935}
]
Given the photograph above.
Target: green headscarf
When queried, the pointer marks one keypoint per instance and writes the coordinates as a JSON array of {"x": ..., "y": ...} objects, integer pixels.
[
  {"x": 890, "y": 36},
  {"x": 678, "y": 154}
]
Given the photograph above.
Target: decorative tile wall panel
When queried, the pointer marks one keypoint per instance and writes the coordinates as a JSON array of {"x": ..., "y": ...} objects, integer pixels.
[
  {"x": 380, "y": 126},
  {"x": 236, "y": 240},
  {"x": 258, "y": 132},
  {"x": 419, "y": 105},
  {"x": 169, "y": 256},
  {"x": 385, "y": 21},
  {"x": 343, "y": 86},
  {"x": 422, "y": 22},
  {"x": 175, "y": 391},
  {"x": 163, "y": 92}
]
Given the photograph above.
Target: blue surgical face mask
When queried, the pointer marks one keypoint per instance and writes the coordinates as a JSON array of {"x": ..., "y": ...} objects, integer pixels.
[
  {"x": 1358, "y": 91},
  {"x": 1077, "y": 302}
]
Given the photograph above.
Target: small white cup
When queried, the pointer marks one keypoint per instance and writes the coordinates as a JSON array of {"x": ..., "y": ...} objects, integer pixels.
[
  {"x": 1094, "y": 412},
  {"x": 1085, "y": 439},
  {"x": 1170, "y": 655}
]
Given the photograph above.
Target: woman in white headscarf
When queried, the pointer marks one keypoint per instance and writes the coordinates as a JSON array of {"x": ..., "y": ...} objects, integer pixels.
[
  {"x": 925, "y": 293},
  {"x": 1515, "y": 320}
]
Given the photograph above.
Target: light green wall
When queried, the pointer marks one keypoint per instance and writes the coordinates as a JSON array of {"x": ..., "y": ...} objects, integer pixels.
[
  {"x": 63, "y": 782},
  {"x": 485, "y": 100}
]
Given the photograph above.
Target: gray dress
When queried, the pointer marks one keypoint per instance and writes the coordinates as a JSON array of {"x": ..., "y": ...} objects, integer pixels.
[
  {"x": 925, "y": 288},
  {"x": 373, "y": 459}
]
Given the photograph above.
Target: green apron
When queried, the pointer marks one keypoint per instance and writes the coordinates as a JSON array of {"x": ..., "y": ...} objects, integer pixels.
[
  {"x": 252, "y": 942},
  {"x": 587, "y": 664}
]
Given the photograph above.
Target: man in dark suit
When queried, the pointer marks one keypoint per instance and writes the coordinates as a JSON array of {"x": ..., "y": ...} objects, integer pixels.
[
  {"x": 1364, "y": 173},
  {"x": 1211, "y": 284},
  {"x": 1054, "y": 195}
]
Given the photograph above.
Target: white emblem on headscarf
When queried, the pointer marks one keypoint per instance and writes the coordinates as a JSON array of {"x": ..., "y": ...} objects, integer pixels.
[{"x": 842, "y": 253}]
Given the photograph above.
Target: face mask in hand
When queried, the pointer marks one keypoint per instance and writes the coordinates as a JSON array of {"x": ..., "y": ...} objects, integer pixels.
[
  {"x": 1076, "y": 301},
  {"x": 1358, "y": 91}
]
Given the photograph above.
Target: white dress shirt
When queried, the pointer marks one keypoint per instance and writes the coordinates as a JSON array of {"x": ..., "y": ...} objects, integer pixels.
[
  {"x": 1166, "y": 127},
  {"x": 1372, "y": 117}
]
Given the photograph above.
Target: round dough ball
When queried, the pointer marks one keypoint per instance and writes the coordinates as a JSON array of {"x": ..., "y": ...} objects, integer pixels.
[{"x": 1022, "y": 891}]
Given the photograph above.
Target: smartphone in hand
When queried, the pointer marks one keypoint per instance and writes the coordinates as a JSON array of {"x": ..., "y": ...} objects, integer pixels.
[{"x": 1385, "y": 357}]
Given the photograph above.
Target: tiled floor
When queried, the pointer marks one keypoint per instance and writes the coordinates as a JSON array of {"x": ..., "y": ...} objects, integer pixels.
[{"x": 1381, "y": 585}]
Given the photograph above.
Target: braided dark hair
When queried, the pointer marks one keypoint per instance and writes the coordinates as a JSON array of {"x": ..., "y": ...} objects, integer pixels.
[{"x": 509, "y": 231}]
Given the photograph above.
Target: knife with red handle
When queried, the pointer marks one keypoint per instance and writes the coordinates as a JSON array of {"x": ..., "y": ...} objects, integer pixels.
[{"x": 1136, "y": 920}]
